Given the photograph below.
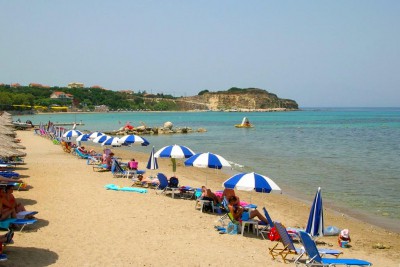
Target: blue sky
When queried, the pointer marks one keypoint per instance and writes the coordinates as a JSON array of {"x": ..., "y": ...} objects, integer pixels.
[{"x": 319, "y": 53}]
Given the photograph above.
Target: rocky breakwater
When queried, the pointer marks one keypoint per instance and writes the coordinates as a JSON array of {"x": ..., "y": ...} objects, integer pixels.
[{"x": 167, "y": 128}]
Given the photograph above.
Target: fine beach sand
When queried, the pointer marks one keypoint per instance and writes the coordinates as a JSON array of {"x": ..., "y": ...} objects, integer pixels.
[{"x": 82, "y": 224}]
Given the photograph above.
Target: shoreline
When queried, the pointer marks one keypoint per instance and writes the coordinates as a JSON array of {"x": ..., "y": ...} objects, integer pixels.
[
  {"x": 74, "y": 208},
  {"x": 381, "y": 221},
  {"x": 388, "y": 225}
]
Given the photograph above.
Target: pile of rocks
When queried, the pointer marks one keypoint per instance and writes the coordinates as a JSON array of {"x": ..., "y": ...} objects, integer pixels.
[{"x": 167, "y": 128}]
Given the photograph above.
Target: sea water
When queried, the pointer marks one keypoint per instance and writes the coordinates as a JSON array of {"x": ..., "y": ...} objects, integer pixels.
[{"x": 353, "y": 154}]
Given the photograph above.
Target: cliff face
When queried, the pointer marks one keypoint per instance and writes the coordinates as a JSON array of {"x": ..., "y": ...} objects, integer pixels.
[{"x": 249, "y": 99}]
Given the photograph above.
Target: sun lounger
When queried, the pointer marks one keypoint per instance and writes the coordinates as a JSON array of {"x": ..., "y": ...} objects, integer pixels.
[
  {"x": 101, "y": 167},
  {"x": 290, "y": 249},
  {"x": 5, "y": 224},
  {"x": 81, "y": 155},
  {"x": 315, "y": 258}
]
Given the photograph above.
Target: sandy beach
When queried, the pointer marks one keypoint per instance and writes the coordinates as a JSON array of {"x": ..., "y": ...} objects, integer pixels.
[{"x": 80, "y": 223}]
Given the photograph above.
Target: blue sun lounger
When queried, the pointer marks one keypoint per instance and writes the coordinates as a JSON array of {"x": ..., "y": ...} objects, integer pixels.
[
  {"x": 290, "y": 249},
  {"x": 316, "y": 260},
  {"x": 5, "y": 224}
]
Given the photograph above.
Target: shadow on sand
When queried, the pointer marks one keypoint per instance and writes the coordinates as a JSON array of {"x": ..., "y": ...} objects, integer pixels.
[{"x": 29, "y": 256}]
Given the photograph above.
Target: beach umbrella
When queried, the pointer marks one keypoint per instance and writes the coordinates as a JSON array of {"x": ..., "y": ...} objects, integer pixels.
[
  {"x": 111, "y": 141},
  {"x": 152, "y": 163},
  {"x": 315, "y": 224},
  {"x": 252, "y": 182},
  {"x": 10, "y": 152},
  {"x": 10, "y": 144},
  {"x": 207, "y": 160},
  {"x": 94, "y": 135},
  {"x": 72, "y": 133},
  {"x": 174, "y": 152},
  {"x": 100, "y": 139},
  {"x": 133, "y": 139},
  {"x": 6, "y": 131},
  {"x": 83, "y": 137}
]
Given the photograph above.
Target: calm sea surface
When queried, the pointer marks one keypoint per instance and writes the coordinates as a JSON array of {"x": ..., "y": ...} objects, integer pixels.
[{"x": 352, "y": 154}]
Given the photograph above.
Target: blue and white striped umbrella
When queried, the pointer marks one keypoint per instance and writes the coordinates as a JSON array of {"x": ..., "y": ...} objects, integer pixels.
[
  {"x": 72, "y": 133},
  {"x": 252, "y": 181},
  {"x": 95, "y": 134},
  {"x": 152, "y": 163},
  {"x": 83, "y": 137},
  {"x": 175, "y": 152},
  {"x": 207, "y": 160},
  {"x": 315, "y": 225},
  {"x": 111, "y": 141},
  {"x": 133, "y": 139},
  {"x": 100, "y": 139}
]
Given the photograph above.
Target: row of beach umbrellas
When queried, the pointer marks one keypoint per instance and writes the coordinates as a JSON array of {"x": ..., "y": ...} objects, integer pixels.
[
  {"x": 106, "y": 140},
  {"x": 8, "y": 145},
  {"x": 242, "y": 181}
]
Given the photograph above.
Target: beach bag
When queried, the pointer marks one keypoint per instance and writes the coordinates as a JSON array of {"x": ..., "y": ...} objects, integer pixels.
[
  {"x": 232, "y": 228},
  {"x": 273, "y": 234},
  {"x": 173, "y": 182}
]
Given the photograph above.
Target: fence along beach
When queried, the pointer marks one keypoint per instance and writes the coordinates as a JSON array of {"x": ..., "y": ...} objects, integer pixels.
[{"x": 81, "y": 223}]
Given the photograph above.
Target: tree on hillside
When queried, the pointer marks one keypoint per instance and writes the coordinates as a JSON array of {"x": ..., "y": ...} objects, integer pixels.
[{"x": 203, "y": 92}]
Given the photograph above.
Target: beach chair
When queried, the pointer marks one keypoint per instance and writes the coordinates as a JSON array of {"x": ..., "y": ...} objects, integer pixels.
[
  {"x": 164, "y": 186},
  {"x": 9, "y": 174},
  {"x": 242, "y": 224},
  {"x": 93, "y": 160},
  {"x": 265, "y": 228},
  {"x": 117, "y": 170},
  {"x": 81, "y": 155},
  {"x": 21, "y": 223},
  {"x": 315, "y": 259},
  {"x": 163, "y": 183},
  {"x": 290, "y": 249}
]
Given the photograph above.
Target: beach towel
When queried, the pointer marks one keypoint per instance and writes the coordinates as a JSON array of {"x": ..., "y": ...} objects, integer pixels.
[{"x": 126, "y": 189}]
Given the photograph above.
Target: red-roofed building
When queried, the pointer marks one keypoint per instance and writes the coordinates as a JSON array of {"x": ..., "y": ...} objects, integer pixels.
[
  {"x": 129, "y": 92},
  {"x": 61, "y": 95},
  {"x": 35, "y": 85}
]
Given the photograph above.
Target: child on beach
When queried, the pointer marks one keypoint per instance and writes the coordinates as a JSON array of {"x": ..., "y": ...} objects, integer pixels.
[{"x": 344, "y": 236}]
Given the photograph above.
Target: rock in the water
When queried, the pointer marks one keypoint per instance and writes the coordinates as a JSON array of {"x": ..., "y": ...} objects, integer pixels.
[{"x": 168, "y": 125}]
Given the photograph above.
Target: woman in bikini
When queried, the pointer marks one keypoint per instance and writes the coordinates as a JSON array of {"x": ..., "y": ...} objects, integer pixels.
[{"x": 240, "y": 214}]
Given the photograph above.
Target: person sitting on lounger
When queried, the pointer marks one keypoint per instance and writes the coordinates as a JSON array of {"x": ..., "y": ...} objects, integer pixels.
[
  {"x": 5, "y": 210},
  {"x": 82, "y": 149},
  {"x": 207, "y": 194},
  {"x": 12, "y": 202},
  {"x": 147, "y": 181},
  {"x": 228, "y": 193},
  {"x": 240, "y": 214},
  {"x": 107, "y": 161},
  {"x": 133, "y": 165}
]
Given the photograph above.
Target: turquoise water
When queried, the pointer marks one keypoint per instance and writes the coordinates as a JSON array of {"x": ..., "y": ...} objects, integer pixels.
[{"x": 352, "y": 154}]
